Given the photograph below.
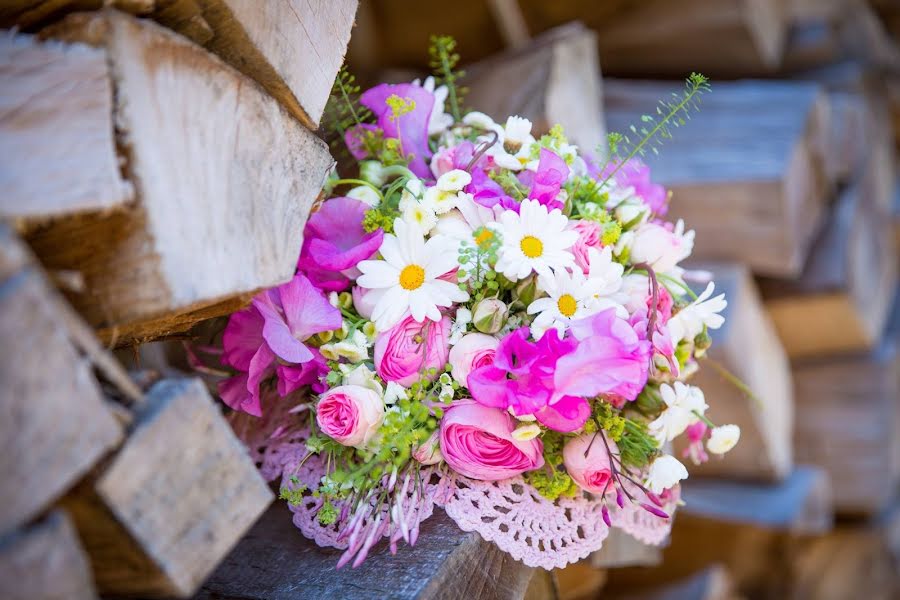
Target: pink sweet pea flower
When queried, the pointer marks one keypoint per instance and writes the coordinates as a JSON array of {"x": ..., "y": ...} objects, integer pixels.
[
  {"x": 488, "y": 193},
  {"x": 245, "y": 349},
  {"x": 353, "y": 138},
  {"x": 411, "y": 128},
  {"x": 457, "y": 157},
  {"x": 545, "y": 184},
  {"x": 408, "y": 348},
  {"x": 696, "y": 433},
  {"x": 334, "y": 241},
  {"x": 610, "y": 359},
  {"x": 477, "y": 442},
  {"x": 293, "y": 377}
]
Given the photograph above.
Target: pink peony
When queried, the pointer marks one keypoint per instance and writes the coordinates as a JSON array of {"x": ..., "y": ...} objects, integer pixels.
[
  {"x": 350, "y": 414},
  {"x": 474, "y": 350},
  {"x": 405, "y": 351},
  {"x": 477, "y": 442},
  {"x": 589, "y": 236},
  {"x": 587, "y": 462},
  {"x": 334, "y": 242}
]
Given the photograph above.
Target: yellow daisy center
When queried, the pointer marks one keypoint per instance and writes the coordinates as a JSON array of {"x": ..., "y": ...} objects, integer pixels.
[
  {"x": 412, "y": 277},
  {"x": 483, "y": 237},
  {"x": 531, "y": 246},
  {"x": 567, "y": 305}
]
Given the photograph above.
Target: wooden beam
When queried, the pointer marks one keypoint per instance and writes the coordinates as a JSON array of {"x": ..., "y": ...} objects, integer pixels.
[
  {"x": 749, "y": 181},
  {"x": 173, "y": 501},
  {"x": 553, "y": 79},
  {"x": 622, "y": 550},
  {"x": 747, "y": 347},
  {"x": 45, "y": 561},
  {"x": 224, "y": 180},
  {"x": 56, "y": 134},
  {"x": 711, "y": 583},
  {"x": 54, "y": 422},
  {"x": 842, "y": 300},
  {"x": 275, "y": 561}
]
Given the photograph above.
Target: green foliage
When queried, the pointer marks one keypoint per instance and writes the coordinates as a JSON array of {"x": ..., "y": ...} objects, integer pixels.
[
  {"x": 636, "y": 446},
  {"x": 443, "y": 61},
  {"x": 379, "y": 218},
  {"x": 553, "y": 140},
  {"x": 343, "y": 109},
  {"x": 327, "y": 514},
  {"x": 609, "y": 420},
  {"x": 510, "y": 184},
  {"x": 475, "y": 262},
  {"x": 654, "y": 129},
  {"x": 552, "y": 481}
]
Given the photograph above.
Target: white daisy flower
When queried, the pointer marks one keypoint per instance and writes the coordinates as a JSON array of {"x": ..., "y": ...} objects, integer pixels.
[
  {"x": 439, "y": 201},
  {"x": 468, "y": 217},
  {"x": 536, "y": 240},
  {"x": 665, "y": 471},
  {"x": 688, "y": 323},
  {"x": 420, "y": 216},
  {"x": 683, "y": 404},
  {"x": 482, "y": 121},
  {"x": 570, "y": 295},
  {"x": 517, "y": 134},
  {"x": 409, "y": 275},
  {"x": 454, "y": 181},
  {"x": 605, "y": 275}
]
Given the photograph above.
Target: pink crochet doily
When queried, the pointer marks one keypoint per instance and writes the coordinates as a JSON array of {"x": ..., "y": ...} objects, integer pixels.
[{"x": 509, "y": 513}]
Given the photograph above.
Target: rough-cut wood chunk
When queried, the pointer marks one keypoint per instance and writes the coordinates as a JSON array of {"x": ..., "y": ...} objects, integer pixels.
[
  {"x": 46, "y": 562},
  {"x": 554, "y": 79},
  {"x": 851, "y": 424},
  {"x": 721, "y": 38},
  {"x": 843, "y": 299},
  {"x": 622, "y": 550},
  {"x": 56, "y": 135},
  {"x": 224, "y": 180},
  {"x": 579, "y": 581},
  {"x": 276, "y": 562},
  {"x": 53, "y": 420},
  {"x": 173, "y": 501},
  {"x": 750, "y": 529},
  {"x": 746, "y": 171},
  {"x": 712, "y": 583},
  {"x": 748, "y": 347}
]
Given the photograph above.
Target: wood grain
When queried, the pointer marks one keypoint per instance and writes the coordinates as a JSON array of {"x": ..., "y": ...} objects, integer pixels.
[
  {"x": 748, "y": 347},
  {"x": 173, "y": 501},
  {"x": 749, "y": 181},
  {"x": 276, "y": 562},
  {"x": 56, "y": 136},
  {"x": 53, "y": 419},
  {"x": 224, "y": 181},
  {"x": 45, "y": 562},
  {"x": 553, "y": 79}
]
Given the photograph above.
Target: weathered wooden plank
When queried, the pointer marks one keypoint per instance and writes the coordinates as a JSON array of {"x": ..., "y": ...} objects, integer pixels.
[
  {"x": 711, "y": 583},
  {"x": 842, "y": 300},
  {"x": 173, "y": 501},
  {"x": 45, "y": 562},
  {"x": 749, "y": 181},
  {"x": 579, "y": 581},
  {"x": 851, "y": 423},
  {"x": 56, "y": 132},
  {"x": 622, "y": 550},
  {"x": 553, "y": 79},
  {"x": 276, "y": 562},
  {"x": 53, "y": 420},
  {"x": 224, "y": 180},
  {"x": 747, "y": 347}
]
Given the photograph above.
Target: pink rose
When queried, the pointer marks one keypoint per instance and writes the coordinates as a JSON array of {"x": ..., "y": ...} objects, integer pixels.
[
  {"x": 589, "y": 236},
  {"x": 472, "y": 351},
  {"x": 592, "y": 473},
  {"x": 477, "y": 442},
  {"x": 407, "y": 349},
  {"x": 350, "y": 414}
]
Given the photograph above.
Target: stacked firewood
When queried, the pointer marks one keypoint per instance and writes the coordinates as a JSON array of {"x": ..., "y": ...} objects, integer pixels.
[{"x": 158, "y": 161}]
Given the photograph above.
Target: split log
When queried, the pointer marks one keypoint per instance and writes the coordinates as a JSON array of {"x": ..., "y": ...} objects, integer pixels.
[
  {"x": 842, "y": 300},
  {"x": 747, "y": 347},
  {"x": 224, "y": 179},
  {"x": 170, "y": 505},
  {"x": 292, "y": 49},
  {"x": 747, "y": 528},
  {"x": 851, "y": 424},
  {"x": 274, "y": 561},
  {"x": 56, "y": 135},
  {"x": 45, "y": 562},
  {"x": 54, "y": 422},
  {"x": 554, "y": 79},
  {"x": 722, "y": 38},
  {"x": 749, "y": 180}
]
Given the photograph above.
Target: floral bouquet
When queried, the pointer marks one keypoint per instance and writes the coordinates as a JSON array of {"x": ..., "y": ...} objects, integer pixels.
[{"x": 483, "y": 320}]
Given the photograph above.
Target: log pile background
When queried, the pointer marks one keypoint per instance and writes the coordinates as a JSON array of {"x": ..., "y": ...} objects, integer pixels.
[{"x": 159, "y": 159}]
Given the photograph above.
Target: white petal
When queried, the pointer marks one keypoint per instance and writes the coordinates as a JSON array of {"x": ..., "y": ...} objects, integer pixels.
[{"x": 377, "y": 274}]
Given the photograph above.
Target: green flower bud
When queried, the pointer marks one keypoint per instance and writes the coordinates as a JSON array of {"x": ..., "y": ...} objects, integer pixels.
[
  {"x": 526, "y": 290},
  {"x": 489, "y": 315}
]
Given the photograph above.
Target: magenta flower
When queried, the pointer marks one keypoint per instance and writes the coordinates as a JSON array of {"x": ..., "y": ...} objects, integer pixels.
[
  {"x": 411, "y": 128},
  {"x": 353, "y": 138},
  {"x": 522, "y": 378},
  {"x": 487, "y": 192},
  {"x": 545, "y": 184},
  {"x": 293, "y": 377},
  {"x": 636, "y": 174},
  {"x": 245, "y": 350},
  {"x": 610, "y": 359},
  {"x": 334, "y": 241},
  {"x": 292, "y": 313}
]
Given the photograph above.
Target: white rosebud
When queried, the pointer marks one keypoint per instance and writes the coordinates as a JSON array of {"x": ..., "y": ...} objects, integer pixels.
[
  {"x": 723, "y": 438},
  {"x": 523, "y": 433},
  {"x": 453, "y": 181},
  {"x": 429, "y": 453},
  {"x": 489, "y": 315},
  {"x": 664, "y": 473},
  {"x": 628, "y": 212},
  {"x": 394, "y": 392},
  {"x": 365, "y": 194},
  {"x": 373, "y": 172}
]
